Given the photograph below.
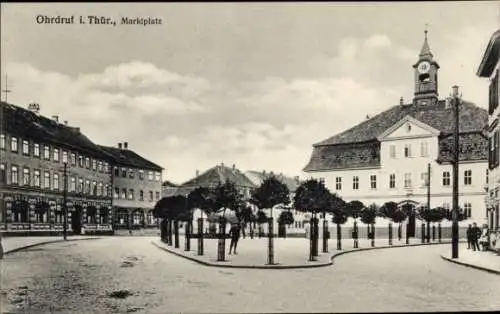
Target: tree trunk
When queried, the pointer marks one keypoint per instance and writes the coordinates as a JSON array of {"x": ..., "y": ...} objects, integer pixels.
[
  {"x": 400, "y": 232},
  {"x": 373, "y": 235},
  {"x": 316, "y": 236},
  {"x": 355, "y": 234},
  {"x": 433, "y": 232},
  {"x": 428, "y": 231},
  {"x": 176, "y": 227},
  {"x": 390, "y": 233},
  {"x": 439, "y": 232},
  {"x": 311, "y": 240},
  {"x": 339, "y": 237},
  {"x": 422, "y": 231},
  {"x": 170, "y": 232},
  {"x": 200, "y": 235},
  {"x": 221, "y": 248},
  {"x": 325, "y": 235},
  {"x": 187, "y": 236},
  {"x": 270, "y": 249}
]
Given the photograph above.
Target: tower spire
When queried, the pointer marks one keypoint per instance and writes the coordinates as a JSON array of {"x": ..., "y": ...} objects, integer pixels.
[{"x": 425, "y": 52}]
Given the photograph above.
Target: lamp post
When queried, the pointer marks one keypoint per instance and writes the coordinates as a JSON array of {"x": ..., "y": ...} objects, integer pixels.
[
  {"x": 454, "y": 229},
  {"x": 65, "y": 200}
]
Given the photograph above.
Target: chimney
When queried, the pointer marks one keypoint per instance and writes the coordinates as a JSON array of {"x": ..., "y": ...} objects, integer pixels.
[
  {"x": 34, "y": 107},
  {"x": 56, "y": 118},
  {"x": 197, "y": 173},
  {"x": 125, "y": 145},
  {"x": 401, "y": 101},
  {"x": 120, "y": 145},
  {"x": 65, "y": 122}
]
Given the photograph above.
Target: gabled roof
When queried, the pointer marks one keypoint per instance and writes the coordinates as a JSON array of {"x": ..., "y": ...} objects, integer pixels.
[
  {"x": 127, "y": 157},
  {"x": 215, "y": 175},
  {"x": 291, "y": 183},
  {"x": 27, "y": 124},
  {"x": 472, "y": 119},
  {"x": 491, "y": 56},
  {"x": 400, "y": 123}
]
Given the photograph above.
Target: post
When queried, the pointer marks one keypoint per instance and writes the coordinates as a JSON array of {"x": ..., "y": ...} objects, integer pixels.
[
  {"x": 270, "y": 247},
  {"x": 454, "y": 240},
  {"x": 65, "y": 200},
  {"x": 428, "y": 198},
  {"x": 200, "y": 236}
]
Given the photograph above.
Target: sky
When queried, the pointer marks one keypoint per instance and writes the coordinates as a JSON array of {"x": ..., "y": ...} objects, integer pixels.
[{"x": 249, "y": 84}]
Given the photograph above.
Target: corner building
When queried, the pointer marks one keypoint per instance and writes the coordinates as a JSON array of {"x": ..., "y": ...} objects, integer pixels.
[
  {"x": 489, "y": 68},
  {"x": 33, "y": 152},
  {"x": 388, "y": 157}
]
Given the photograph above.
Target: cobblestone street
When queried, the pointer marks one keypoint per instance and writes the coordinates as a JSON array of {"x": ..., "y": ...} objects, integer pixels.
[{"x": 118, "y": 275}]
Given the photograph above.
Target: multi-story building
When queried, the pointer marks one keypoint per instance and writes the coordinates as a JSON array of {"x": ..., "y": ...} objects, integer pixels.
[
  {"x": 137, "y": 185},
  {"x": 489, "y": 68},
  {"x": 34, "y": 153},
  {"x": 388, "y": 157}
]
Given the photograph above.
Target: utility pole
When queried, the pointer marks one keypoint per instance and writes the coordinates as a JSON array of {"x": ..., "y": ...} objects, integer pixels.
[
  {"x": 65, "y": 200},
  {"x": 454, "y": 228},
  {"x": 6, "y": 90}
]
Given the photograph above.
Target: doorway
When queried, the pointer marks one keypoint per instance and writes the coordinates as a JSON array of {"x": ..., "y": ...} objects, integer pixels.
[{"x": 76, "y": 220}]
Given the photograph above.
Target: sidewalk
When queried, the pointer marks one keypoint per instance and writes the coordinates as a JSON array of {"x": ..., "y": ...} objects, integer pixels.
[
  {"x": 488, "y": 261},
  {"x": 288, "y": 253},
  {"x": 14, "y": 244}
]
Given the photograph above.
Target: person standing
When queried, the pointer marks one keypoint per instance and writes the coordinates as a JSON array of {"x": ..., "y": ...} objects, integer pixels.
[
  {"x": 234, "y": 233},
  {"x": 469, "y": 236},
  {"x": 483, "y": 240},
  {"x": 475, "y": 234}
]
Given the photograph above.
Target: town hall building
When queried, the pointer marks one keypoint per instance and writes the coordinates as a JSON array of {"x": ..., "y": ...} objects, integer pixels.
[{"x": 389, "y": 156}]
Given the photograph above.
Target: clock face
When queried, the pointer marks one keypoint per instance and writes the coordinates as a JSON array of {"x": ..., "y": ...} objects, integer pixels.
[{"x": 424, "y": 67}]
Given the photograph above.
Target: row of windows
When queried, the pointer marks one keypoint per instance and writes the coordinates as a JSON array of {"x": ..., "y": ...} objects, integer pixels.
[
  {"x": 51, "y": 181},
  {"x": 407, "y": 151},
  {"x": 130, "y": 195},
  {"x": 407, "y": 180},
  {"x": 53, "y": 153},
  {"x": 152, "y": 176}
]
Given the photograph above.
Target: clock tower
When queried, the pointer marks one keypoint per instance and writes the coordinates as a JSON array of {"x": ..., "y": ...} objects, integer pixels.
[{"x": 426, "y": 81}]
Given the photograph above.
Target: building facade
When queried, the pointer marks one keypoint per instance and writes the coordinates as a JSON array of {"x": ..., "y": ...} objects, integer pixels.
[
  {"x": 489, "y": 68},
  {"x": 391, "y": 156},
  {"x": 137, "y": 186},
  {"x": 35, "y": 151}
]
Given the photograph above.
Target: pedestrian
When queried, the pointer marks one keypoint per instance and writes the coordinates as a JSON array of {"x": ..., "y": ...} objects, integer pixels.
[
  {"x": 234, "y": 233},
  {"x": 469, "y": 236},
  {"x": 483, "y": 239},
  {"x": 475, "y": 234}
]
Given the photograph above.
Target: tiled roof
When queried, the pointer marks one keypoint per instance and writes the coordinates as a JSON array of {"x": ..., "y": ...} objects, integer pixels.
[
  {"x": 129, "y": 158},
  {"x": 472, "y": 119},
  {"x": 169, "y": 184},
  {"x": 358, "y": 146},
  {"x": 215, "y": 175},
  {"x": 27, "y": 124},
  {"x": 291, "y": 183}
]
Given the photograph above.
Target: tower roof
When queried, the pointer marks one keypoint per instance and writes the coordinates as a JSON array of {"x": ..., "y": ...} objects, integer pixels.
[{"x": 425, "y": 52}]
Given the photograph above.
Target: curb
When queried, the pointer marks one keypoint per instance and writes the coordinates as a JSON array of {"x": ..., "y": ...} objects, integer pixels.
[
  {"x": 321, "y": 264},
  {"x": 43, "y": 243},
  {"x": 471, "y": 265},
  {"x": 389, "y": 247}
]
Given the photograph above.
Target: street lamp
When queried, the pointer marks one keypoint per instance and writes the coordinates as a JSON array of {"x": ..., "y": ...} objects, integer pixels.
[
  {"x": 65, "y": 200},
  {"x": 454, "y": 229}
]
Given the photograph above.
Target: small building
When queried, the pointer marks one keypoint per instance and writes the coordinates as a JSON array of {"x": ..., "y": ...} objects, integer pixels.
[{"x": 137, "y": 186}]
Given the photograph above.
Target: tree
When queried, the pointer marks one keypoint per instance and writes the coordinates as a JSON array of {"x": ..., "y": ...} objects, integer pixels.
[
  {"x": 169, "y": 208},
  {"x": 201, "y": 198},
  {"x": 225, "y": 197},
  {"x": 337, "y": 207},
  {"x": 339, "y": 218},
  {"x": 285, "y": 218},
  {"x": 368, "y": 215},
  {"x": 270, "y": 193},
  {"x": 438, "y": 214},
  {"x": 353, "y": 209},
  {"x": 388, "y": 211},
  {"x": 312, "y": 196},
  {"x": 427, "y": 215}
]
